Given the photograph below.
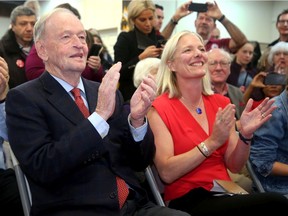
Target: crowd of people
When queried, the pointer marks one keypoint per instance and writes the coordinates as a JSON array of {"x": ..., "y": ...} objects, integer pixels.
[{"x": 196, "y": 106}]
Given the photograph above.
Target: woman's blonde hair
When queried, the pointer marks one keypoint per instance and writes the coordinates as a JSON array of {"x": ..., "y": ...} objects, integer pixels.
[
  {"x": 166, "y": 79},
  {"x": 136, "y": 7}
]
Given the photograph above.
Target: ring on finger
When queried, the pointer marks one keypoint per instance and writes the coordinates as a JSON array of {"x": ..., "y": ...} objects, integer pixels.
[{"x": 263, "y": 115}]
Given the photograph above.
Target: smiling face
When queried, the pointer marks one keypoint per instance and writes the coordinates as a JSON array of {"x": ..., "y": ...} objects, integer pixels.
[
  {"x": 63, "y": 46},
  {"x": 204, "y": 25},
  {"x": 190, "y": 58},
  {"x": 282, "y": 25}
]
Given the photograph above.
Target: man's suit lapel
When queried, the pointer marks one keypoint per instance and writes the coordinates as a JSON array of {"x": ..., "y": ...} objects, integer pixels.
[
  {"x": 60, "y": 99},
  {"x": 91, "y": 94}
]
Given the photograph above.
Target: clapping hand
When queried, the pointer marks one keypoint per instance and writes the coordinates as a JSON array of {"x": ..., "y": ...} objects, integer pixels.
[
  {"x": 142, "y": 99},
  {"x": 251, "y": 120},
  {"x": 224, "y": 121},
  {"x": 4, "y": 78},
  {"x": 107, "y": 92}
]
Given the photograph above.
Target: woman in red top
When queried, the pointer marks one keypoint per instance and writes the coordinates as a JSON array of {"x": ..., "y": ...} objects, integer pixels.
[{"x": 195, "y": 135}]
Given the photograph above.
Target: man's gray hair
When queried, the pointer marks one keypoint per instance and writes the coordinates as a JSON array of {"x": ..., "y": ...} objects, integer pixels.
[
  {"x": 20, "y": 11},
  {"x": 39, "y": 27}
]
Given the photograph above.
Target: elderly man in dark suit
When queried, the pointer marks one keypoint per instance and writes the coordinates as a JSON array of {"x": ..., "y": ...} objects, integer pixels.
[{"x": 73, "y": 164}]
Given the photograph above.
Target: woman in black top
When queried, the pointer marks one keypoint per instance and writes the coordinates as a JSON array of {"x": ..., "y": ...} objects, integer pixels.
[{"x": 138, "y": 43}]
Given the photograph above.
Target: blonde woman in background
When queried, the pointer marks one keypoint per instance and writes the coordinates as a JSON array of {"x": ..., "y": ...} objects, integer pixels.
[{"x": 137, "y": 44}]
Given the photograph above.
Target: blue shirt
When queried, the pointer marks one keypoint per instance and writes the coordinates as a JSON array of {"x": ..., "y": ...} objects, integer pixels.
[
  {"x": 270, "y": 144},
  {"x": 3, "y": 134}
]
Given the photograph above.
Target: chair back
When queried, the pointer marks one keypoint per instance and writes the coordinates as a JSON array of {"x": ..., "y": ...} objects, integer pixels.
[
  {"x": 254, "y": 177},
  {"x": 23, "y": 185},
  {"x": 154, "y": 186}
]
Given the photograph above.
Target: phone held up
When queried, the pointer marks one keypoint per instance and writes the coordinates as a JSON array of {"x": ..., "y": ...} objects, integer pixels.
[
  {"x": 95, "y": 50},
  {"x": 275, "y": 79},
  {"x": 198, "y": 7}
]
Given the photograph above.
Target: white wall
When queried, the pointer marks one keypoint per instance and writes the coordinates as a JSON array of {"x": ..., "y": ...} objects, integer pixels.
[
  {"x": 255, "y": 18},
  {"x": 4, "y": 23}
]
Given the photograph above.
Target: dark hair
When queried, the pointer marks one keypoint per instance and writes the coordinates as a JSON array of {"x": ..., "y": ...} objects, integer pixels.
[
  {"x": 159, "y": 7},
  {"x": 69, "y": 7},
  {"x": 100, "y": 39},
  {"x": 282, "y": 13},
  {"x": 20, "y": 11},
  {"x": 214, "y": 19},
  {"x": 89, "y": 39}
]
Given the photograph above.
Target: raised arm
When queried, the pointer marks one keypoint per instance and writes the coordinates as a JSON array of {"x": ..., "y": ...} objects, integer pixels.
[
  {"x": 238, "y": 39},
  {"x": 181, "y": 12}
]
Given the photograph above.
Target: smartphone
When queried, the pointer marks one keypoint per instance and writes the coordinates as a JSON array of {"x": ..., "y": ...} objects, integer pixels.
[
  {"x": 198, "y": 7},
  {"x": 275, "y": 79},
  {"x": 95, "y": 50},
  {"x": 160, "y": 43}
]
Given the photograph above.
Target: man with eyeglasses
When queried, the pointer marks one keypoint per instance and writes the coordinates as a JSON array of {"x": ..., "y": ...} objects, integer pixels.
[
  {"x": 219, "y": 69},
  {"x": 282, "y": 27},
  {"x": 219, "y": 62}
]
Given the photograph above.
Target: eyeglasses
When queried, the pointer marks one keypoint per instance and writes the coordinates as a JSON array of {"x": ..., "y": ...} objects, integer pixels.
[
  {"x": 282, "y": 22},
  {"x": 223, "y": 64}
]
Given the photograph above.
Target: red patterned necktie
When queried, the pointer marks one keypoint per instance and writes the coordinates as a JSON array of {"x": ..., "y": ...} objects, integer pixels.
[
  {"x": 122, "y": 191},
  {"x": 79, "y": 101},
  {"x": 121, "y": 185}
]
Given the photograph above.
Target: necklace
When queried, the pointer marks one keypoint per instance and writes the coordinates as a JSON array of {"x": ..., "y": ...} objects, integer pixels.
[{"x": 197, "y": 109}]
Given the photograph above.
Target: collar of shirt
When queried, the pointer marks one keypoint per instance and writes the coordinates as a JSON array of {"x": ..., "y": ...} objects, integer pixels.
[
  {"x": 224, "y": 90},
  {"x": 25, "y": 50},
  {"x": 68, "y": 87}
]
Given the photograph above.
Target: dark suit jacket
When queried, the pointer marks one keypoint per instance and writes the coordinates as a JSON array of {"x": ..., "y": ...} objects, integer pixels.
[
  {"x": 71, "y": 170},
  {"x": 236, "y": 97}
]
